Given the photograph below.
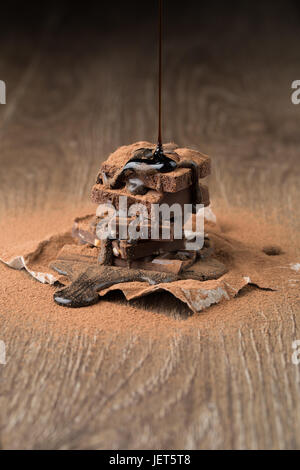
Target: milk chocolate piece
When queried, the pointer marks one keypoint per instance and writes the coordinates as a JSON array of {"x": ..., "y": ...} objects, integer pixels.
[{"x": 76, "y": 253}]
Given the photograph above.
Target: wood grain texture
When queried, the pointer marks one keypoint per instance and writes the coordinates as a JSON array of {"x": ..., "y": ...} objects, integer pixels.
[{"x": 75, "y": 96}]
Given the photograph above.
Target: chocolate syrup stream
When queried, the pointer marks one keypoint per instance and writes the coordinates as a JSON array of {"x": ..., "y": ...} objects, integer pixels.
[
  {"x": 146, "y": 160},
  {"x": 159, "y": 148}
]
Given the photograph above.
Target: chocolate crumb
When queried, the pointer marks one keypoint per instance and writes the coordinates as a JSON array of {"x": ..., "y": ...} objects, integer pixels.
[{"x": 272, "y": 250}]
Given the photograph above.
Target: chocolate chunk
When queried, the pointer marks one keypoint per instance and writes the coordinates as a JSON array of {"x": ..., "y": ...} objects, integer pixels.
[
  {"x": 273, "y": 250},
  {"x": 157, "y": 264},
  {"x": 205, "y": 270},
  {"x": 169, "y": 263},
  {"x": 140, "y": 249},
  {"x": 81, "y": 254},
  {"x": 84, "y": 231}
]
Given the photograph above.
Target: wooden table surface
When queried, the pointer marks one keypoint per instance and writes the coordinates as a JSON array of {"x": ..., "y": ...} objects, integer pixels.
[{"x": 73, "y": 96}]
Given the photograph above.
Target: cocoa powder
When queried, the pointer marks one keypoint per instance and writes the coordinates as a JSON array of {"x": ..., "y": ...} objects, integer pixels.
[{"x": 26, "y": 303}]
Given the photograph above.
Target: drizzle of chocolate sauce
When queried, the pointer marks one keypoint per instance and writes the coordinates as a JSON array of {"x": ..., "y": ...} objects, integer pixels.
[
  {"x": 157, "y": 162},
  {"x": 144, "y": 161}
]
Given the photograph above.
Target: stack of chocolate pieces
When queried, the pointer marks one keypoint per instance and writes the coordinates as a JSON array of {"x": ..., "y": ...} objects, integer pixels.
[{"x": 147, "y": 177}]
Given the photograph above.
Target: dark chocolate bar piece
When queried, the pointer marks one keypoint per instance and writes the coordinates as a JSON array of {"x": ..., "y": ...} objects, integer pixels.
[
  {"x": 166, "y": 264},
  {"x": 140, "y": 249}
]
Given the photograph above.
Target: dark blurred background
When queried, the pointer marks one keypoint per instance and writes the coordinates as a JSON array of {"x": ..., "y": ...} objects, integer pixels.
[
  {"x": 82, "y": 79},
  {"x": 120, "y": 14},
  {"x": 109, "y": 17}
]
